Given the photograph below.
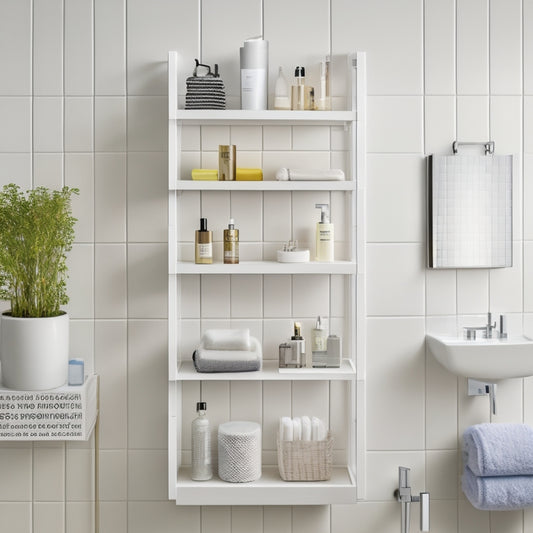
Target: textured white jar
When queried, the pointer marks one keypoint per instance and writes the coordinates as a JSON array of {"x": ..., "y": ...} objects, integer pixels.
[
  {"x": 239, "y": 451},
  {"x": 34, "y": 352}
]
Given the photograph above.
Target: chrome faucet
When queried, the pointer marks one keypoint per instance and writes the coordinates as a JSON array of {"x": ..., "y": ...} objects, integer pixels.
[
  {"x": 489, "y": 330},
  {"x": 403, "y": 495}
]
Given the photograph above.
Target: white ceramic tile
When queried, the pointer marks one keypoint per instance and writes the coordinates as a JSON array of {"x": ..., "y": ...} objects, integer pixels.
[
  {"x": 15, "y": 43},
  {"x": 506, "y": 287},
  {"x": 110, "y": 47},
  {"x": 216, "y": 294},
  {"x": 79, "y": 45},
  {"x": 216, "y": 519},
  {"x": 311, "y": 398},
  {"x": 276, "y": 403},
  {"x": 147, "y": 283},
  {"x": 506, "y": 123},
  {"x": 147, "y": 198},
  {"x": 80, "y": 284},
  {"x": 339, "y": 417},
  {"x": 312, "y": 519},
  {"x": 48, "y": 47},
  {"x": 82, "y": 345},
  {"x": 216, "y": 207},
  {"x": 472, "y": 520},
  {"x": 245, "y": 137},
  {"x": 15, "y": 168},
  {"x": 472, "y": 118},
  {"x": 147, "y": 475},
  {"x": 510, "y": 399},
  {"x": 49, "y": 474},
  {"x": 310, "y": 138},
  {"x": 277, "y": 216},
  {"x": 441, "y": 291},
  {"x": 472, "y": 291},
  {"x": 247, "y": 210},
  {"x": 246, "y": 401},
  {"x": 277, "y": 519},
  {"x": 78, "y": 479},
  {"x": 246, "y": 296},
  {"x": 274, "y": 333},
  {"x": 113, "y": 517},
  {"x": 441, "y": 474},
  {"x": 147, "y": 370},
  {"x": 48, "y": 170},
  {"x": 383, "y": 473},
  {"x": 79, "y": 517},
  {"x": 509, "y": 522},
  {"x": 78, "y": 124},
  {"x": 439, "y": 124},
  {"x": 147, "y": 123},
  {"x": 213, "y": 136},
  {"x": 395, "y": 279},
  {"x": 153, "y": 30},
  {"x": 277, "y": 138},
  {"x": 528, "y": 124},
  {"x": 190, "y": 138},
  {"x": 277, "y": 296},
  {"x": 190, "y": 160},
  {"x": 273, "y": 161},
  {"x": 394, "y": 124},
  {"x": 48, "y": 124},
  {"x": 441, "y": 406},
  {"x": 17, "y": 515},
  {"x": 110, "y": 197},
  {"x": 15, "y": 116},
  {"x": 439, "y": 46},
  {"x": 471, "y": 409},
  {"x": 79, "y": 173},
  {"x": 110, "y": 282},
  {"x": 110, "y": 343},
  {"x": 528, "y": 196},
  {"x": 249, "y": 159},
  {"x": 396, "y": 378},
  {"x": 189, "y": 296},
  {"x": 48, "y": 517},
  {"x": 392, "y": 35},
  {"x": 109, "y": 124},
  {"x": 245, "y": 519},
  {"x": 528, "y": 282},
  {"x": 310, "y": 296},
  {"x": 305, "y": 217},
  {"x": 528, "y": 46},
  {"x": 505, "y": 47},
  {"x": 396, "y": 194},
  {"x": 472, "y": 47},
  {"x": 216, "y": 394}
]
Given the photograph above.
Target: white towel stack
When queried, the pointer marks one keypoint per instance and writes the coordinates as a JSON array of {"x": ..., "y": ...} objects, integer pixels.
[{"x": 302, "y": 428}]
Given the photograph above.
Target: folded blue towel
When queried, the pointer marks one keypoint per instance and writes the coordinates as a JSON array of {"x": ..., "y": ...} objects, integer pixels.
[
  {"x": 499, "y": 449},
  {"x": 498, "y": 493}
]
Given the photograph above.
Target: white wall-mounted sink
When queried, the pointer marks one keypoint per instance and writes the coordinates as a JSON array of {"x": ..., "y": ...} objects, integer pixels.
[{"x": 485, "y": 359}]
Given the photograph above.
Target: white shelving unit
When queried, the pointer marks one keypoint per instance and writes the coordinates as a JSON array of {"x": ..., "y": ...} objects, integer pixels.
[{"x": 348, "y": 482}]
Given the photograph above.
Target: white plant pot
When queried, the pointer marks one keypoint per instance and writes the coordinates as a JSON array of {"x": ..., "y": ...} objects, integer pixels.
[{"x": 34, "y": 352}]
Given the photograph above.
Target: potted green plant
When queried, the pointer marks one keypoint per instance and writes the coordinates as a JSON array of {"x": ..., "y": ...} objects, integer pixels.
[{"x": 36, "y": 232}]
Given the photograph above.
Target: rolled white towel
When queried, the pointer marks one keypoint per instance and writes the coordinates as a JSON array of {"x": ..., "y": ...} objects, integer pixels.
[
  {"x": 285, "y": 428},
  {"x": 306, "y": 428},
  {"x": 300, "y": 174},
  {"x": 226, "y": 339},
  {"x": 318, "y": 429},
  {"x": 297, "y": 428}
]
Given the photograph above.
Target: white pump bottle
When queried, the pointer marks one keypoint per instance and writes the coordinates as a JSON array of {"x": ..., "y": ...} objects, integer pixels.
[{"x": 325, "y": 238}]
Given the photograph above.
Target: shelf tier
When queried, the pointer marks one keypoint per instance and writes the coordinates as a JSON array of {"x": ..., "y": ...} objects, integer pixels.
[
  {"x": 269, "y": 185},
  {"x": 270, "y": 371},
  {"x": 270, "y": 489},
  {"x": 236, "y": 116},
  {"x": 267, "y": 267}
]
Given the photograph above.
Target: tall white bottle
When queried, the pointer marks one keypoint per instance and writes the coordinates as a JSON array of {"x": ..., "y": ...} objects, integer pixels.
[
  {"x": 325, "y": 238},
  {"x": 201, "y": 445}
]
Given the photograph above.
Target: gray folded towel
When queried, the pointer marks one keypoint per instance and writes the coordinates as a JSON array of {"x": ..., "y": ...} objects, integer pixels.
[{"x": 228, "y": 360}]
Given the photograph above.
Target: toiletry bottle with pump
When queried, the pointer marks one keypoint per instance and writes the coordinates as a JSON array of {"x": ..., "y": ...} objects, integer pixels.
[
  {"x": 324, "y": 101},
  {"x": 297, "y": 343},
  {"x": 281, "y": 93},
  {"x": 201, "y": 445},
  {"x": 302, "y": 95},
  {"x": 324, "y": 235},
  {"x": 231, "y": 244},
  {"x": 203, "y": 246},
  {"x": 319, "y": 341}
]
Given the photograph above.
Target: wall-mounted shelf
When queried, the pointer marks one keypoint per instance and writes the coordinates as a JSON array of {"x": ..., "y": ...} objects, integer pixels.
[
  {"x": 199, "y": 185},
  {"x": 270, "y": 371},
  {"x": 268, "y": 490}
]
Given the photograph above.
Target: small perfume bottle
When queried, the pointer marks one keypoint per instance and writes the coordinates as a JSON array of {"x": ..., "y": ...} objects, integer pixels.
[
  {"x": 231, "y": 244},
  {"x": 281, "y": 92},
  {"x": 203, "y": 246},
  {"x": 201, "y": 445}
]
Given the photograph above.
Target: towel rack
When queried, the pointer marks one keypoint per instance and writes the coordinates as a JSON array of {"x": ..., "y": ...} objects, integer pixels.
[{"x": 488, "y": 145}]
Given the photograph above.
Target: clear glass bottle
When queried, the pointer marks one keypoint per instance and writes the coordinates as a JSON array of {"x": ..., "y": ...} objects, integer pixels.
[{"x": 201, "y": 445}]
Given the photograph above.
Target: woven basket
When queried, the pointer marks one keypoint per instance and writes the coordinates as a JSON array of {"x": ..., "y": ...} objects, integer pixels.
[{"x": 302, "y": 460}]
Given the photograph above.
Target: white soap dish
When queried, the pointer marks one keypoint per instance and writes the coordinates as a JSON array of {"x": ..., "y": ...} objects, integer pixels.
[{"x": 298, "y": 255}]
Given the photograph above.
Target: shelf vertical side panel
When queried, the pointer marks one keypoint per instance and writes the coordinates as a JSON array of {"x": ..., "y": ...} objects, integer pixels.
[{"x": 174, "y": 440}]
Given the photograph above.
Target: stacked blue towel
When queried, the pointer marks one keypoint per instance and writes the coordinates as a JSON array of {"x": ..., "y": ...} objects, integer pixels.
[{"x": 498, "y": 461}]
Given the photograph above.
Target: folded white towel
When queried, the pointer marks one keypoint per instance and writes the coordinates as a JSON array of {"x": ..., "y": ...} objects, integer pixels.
[
  {"x": 298, "y": 174},
  {"x": 297, "y": 428},
  {"x": 306, "y": 428},
  {"x": 226, "y": 339},
  {"x": 229, "y": 360},
  {"x": 286, "y": 428},
  {"x": 318, "y": 429}
]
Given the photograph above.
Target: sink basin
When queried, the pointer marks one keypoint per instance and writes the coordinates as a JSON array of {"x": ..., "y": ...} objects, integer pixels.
[{"x": 485, "y": 359}]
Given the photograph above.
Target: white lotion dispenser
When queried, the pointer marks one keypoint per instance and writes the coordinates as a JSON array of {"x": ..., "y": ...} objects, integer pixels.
[
  {"x": 325, "y": 237},
  {"x": 201, "y": 445}
]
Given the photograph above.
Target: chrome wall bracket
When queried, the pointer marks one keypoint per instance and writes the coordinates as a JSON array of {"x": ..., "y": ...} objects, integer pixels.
[
  {"x": 489, "y": 146},
  {"x": 481, "y": 388}
]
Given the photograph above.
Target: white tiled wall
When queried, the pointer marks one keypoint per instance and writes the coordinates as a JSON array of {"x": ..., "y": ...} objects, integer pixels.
[{"x": 83, "y": 102}]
